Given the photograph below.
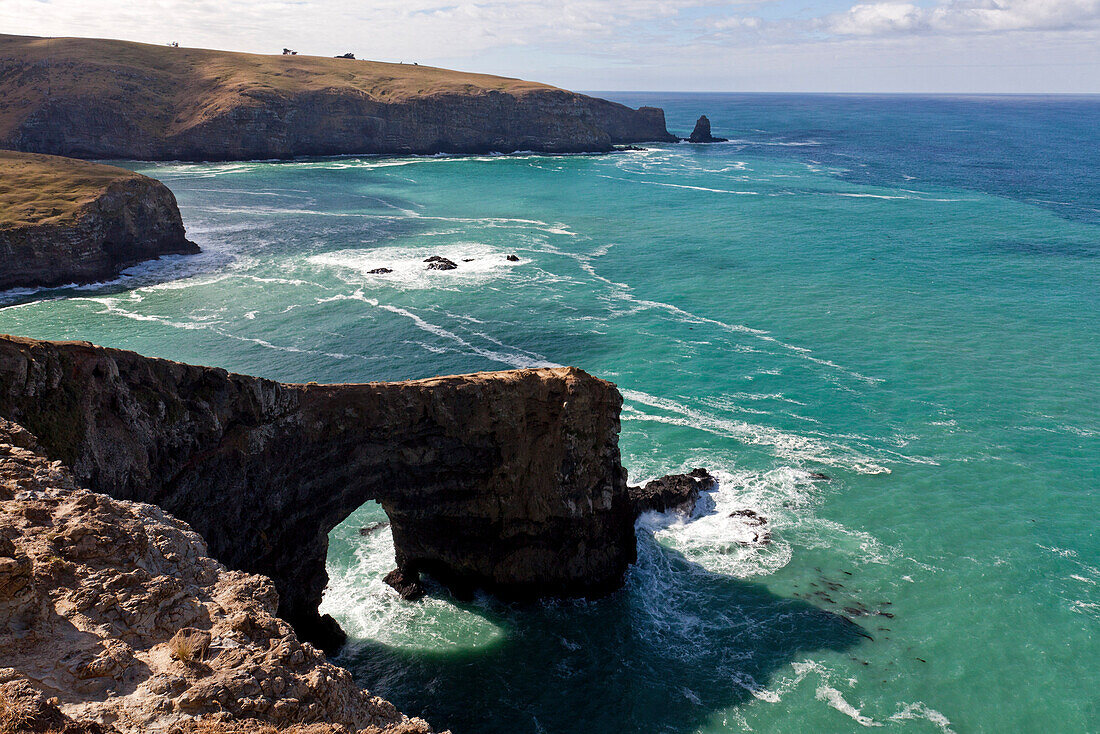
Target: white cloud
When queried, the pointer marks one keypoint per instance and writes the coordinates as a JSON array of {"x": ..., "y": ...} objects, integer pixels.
[
  {"x": 875, "y": 45},
  {"x": 965, "y": 16}
]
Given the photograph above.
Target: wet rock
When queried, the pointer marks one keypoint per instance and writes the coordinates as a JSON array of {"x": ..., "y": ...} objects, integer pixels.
[
  {"x": 751, "y": 517},
  {"x": 435, "y": 262},
  {"x": 701, "y": 133},
  {"x": 819, "y": 477},
  {"x": 512, "y": 258},
  {"x": 467, "y": 259},
  {"x": 380, "y": 271},
  {"x": 372, "y": 528},
  {"x": 678, "y": 492},
  {"x": 406, "y": 583}
]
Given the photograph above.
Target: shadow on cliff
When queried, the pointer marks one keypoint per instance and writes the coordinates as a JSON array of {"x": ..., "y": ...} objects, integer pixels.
[{"x": 676, "y": 646}]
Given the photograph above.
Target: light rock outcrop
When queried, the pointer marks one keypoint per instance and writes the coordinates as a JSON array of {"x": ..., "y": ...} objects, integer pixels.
[
  {"x": 510, "y": 481},
  {"x": 65, "y": 221},
  {"x": 115, "y": 609},
  {"x": 94, "y": 98}
]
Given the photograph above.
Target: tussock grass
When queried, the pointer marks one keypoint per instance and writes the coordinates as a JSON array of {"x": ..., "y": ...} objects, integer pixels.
[{"x": 45, "y": 188}]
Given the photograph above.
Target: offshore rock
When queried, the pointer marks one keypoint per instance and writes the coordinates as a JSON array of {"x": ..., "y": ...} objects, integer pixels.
[
  {"x": 701, "y": 133},
  {"x": 64, "y": 221},
  {"x": 508, "y": 481},
  {"x": 435, "y": 262},
  {"x": 114, "y": 609},
  {"x": 677, "y": 492},
  {"x": 93, "y": 98}
]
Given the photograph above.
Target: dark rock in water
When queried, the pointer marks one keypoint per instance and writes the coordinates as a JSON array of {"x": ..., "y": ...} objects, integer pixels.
[
  {"x": 435, "y": 262},
  {"x": 379, "y": 271},
  {"x": 406, "y": 583},
  {"x": 819, "y": 477},
  {"x": 701, "y": 133},
  {"x": 372, "y": 528},
  {"x": 751, "y": 517},
  {"x": 629, "y": 149},
  {"x": 512, "y": 258},
  {"x": 677, "y": 492},
  {"x": 467, "y": 259}
]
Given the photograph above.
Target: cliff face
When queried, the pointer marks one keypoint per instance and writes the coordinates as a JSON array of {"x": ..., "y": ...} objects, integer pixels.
[
  {"x": 65, "y": 221},
  {"x": 114, "y": 99},
  {"x": 511, "y": 481},
  {"x": 114, "y": 608}
]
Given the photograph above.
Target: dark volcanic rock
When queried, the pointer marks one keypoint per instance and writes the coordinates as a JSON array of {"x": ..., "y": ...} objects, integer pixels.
[
  {"x": 406, "y": 583},
  {"x": 751, "y": 517},
  {"x": 512, "y": 258},
  {"x": 677, "y": 492},
  {"x": 509, "y": 481},
  {"x": 118, "y": 219},
  {"x": 701, "y": 133},
  {"x": 157, "y": 103},
  {"x": 379, "y": 271},
  {"x": 435, "y": 262}
]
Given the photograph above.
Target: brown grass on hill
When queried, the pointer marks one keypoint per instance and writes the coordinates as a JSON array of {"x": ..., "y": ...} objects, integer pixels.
[
  {"x": 38, "y": 189},
  {"x": 197, "y": 81}
]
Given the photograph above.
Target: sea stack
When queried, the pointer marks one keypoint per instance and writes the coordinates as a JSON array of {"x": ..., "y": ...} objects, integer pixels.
[{"x": 701, "y": 133}]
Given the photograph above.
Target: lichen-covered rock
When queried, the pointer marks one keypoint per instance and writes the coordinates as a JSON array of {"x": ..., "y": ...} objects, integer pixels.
[{"x": 115, "y": 586}]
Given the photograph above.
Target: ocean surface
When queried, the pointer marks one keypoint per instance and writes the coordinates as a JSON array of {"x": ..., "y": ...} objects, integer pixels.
[{"x": 901, "y": 293}]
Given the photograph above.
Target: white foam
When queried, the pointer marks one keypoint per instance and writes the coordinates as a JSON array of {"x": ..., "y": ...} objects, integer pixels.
[
  {"x": 920, "y": 710},
  {"x": 836, "y": 700},
  {"x": 409, "y": 271}
]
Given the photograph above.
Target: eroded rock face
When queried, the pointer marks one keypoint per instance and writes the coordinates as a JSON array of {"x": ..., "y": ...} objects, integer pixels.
[
  {"x": 510, "y": 481},
  {"x": 129, "y": 219},
  {"x": 99, "y": 595},
  {"x": 156, "y": 103}
]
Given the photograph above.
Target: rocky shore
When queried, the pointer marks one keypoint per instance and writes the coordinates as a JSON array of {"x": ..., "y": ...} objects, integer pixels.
[
  {"x": 116, "y": 612},
  {"x": 64, "y": 221},
  {"x": 92, "y": 98}
]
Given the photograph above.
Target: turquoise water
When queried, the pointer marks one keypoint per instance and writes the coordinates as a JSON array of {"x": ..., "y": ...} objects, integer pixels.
[{"x": 901, "y": 293}]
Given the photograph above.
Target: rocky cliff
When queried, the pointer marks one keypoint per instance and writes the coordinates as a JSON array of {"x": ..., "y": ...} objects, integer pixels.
[
  {"x": 510, "y": 481},
  {"x": 114, "y": 611},
  {"x": 65, "y": 221},
  {"x": 114, "y": 99}
]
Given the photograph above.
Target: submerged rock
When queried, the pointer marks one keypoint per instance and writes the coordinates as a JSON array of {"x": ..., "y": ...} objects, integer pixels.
[
  {"x": 435, "y": 262},
  {"x": 701, "y": 133},
  {"x": 677, "y": 492},
  {"x": 379, "y": 271},
  {"x": 372, "y": 528},
  {"x": 751, "y": 517}
]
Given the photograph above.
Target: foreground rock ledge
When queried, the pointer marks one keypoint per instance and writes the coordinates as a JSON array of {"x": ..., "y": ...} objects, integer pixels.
[
  {"x": 113, "y": 610},
  {"x": 68, "y": 221},
  {"x": 510, "y": 481}
]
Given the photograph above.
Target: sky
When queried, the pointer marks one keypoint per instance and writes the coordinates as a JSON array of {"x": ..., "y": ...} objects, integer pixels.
[{"x": 924, "y": 46}]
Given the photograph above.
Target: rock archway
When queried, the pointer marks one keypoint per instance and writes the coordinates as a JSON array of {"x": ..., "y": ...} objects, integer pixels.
[{"x": 508, "y": 480}]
